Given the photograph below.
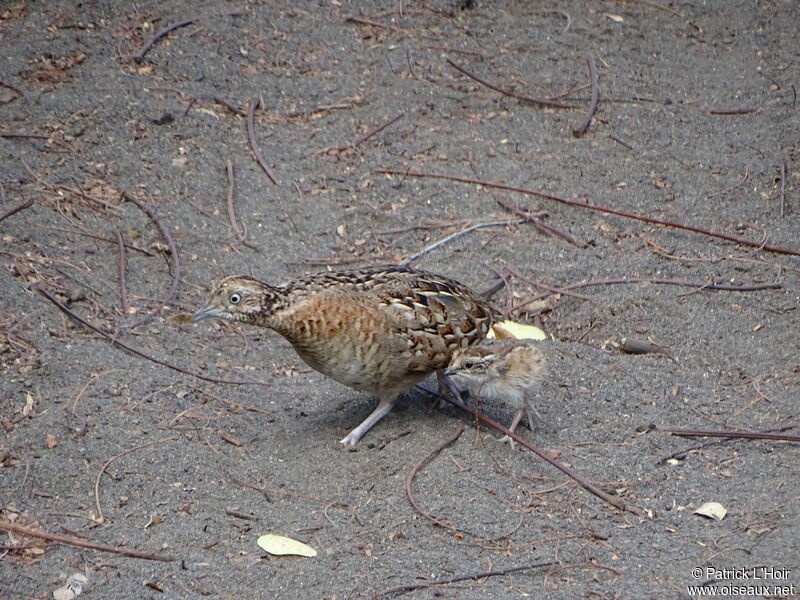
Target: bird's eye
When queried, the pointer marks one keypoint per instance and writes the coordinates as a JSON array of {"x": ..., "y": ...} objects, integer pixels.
[
  {"x": 477, "y": 366},
  {"x": 235, "y": 299}
]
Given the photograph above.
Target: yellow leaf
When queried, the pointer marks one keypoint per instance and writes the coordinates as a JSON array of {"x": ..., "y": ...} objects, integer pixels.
[
  {"x": 279, "y": 545},
  {"x": 511, "y": 330},
  {"x": 712, "y": 510}
]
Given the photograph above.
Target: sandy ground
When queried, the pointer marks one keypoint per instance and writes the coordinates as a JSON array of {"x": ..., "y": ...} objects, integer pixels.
[{"x": 697, "y": 122}]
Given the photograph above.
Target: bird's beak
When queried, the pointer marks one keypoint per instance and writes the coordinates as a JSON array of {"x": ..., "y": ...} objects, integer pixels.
[
  {"x": 447, "y": 372},
  {"x": 207, "y": 312}
]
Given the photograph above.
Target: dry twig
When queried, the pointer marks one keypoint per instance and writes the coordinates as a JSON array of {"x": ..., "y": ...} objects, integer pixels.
[
  {"x": 680, "y": 454},
  {"x": 80, "y": 543},
  {"x": 231, "y": 212},
  {"x": 521, "y": 98},
  {"x": 251, "y": 136},
  {"x": 614, "y": 501},
  {"x": 14, "y": 88},
  {"x": 546, "y": 227},
  {"x": 175, "y": 271},
  {"x": 458, "y": 234},
  {"x": 410, "y": 479},
  {"x": 100, "y": 518},
  {"x": 268, "y": 492},
  {"x": 122, "y": 266},
  {"x": 740, "y": 435},
  {"x": 139, "y": 56},
  {"x": 584, "y": 124},
  {"x": 377, "y": 130},
  {"x": 698, "y": 285},
  {"x": 603, "y": 209},
  {"x": 134, "y": 351},
  {"x": 400, "y": 589},
  {"x": 16, "y": 209},
  {"x": 783, "y": 189}
]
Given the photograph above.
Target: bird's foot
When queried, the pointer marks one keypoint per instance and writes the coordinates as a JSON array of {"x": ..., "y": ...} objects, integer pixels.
[{"x": 506, "y": 439}]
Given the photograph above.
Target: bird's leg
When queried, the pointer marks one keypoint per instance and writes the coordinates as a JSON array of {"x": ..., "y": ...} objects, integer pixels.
[
  {"x": 514, "y": 422},
  {"x": 384, "y": 406},
  {"x": 530, "y": 408},
  {"x": 448, "y": 387}
]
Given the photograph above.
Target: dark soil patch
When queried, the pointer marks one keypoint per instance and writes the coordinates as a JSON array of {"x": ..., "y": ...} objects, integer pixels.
[{"x": 697, "y": 122}]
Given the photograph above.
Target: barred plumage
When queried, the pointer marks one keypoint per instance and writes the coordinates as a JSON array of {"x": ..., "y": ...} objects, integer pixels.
[{"x": 378, "y": 329}]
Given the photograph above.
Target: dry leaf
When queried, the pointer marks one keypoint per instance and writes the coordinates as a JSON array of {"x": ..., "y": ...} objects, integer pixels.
[
  {"x": 51, "y": 441},
  {"x": 73, "y": 587},
  {"x": 712, "y": 510},
  {"x": 511, "y": 330},
  {"x": 154, "y": 520},
  {"x": 280, "y": 545},
  {"x": 27, "y": 410}
]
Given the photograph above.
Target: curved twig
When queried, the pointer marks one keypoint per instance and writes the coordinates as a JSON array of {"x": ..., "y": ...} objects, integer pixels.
[
  {"x": 521, "y": 98},
  {"x": 172, "y": 294},
  {"x": 231, "y": 211},
  {"x": 584, "y": 125},
  {"x": 410, "y": 480},
  {"x": 139, "y": 56},
  {"x": 251, "y": 136},
  {"x": 100, "y": 518}
]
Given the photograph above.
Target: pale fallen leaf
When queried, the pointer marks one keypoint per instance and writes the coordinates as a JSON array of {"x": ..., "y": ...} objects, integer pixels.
[
  {"x": 154, "y": 520},
  {"x": 73, "y": 587},
  {"x": 615, "y": 18},
  {"x": 280, "y": 545},
  {"x": 511, "y": 330},
  {"x": 51, "y": 441},
  {"x": 27, "y": 410},
  {"x": 208, "y": 112},
  {"x": 712, "y": 510}
]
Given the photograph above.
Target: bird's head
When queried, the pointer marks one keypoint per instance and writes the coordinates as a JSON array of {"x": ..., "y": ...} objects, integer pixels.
[
  {"x": 238, "y": 298},
  {"x": 476, "y": 364}
]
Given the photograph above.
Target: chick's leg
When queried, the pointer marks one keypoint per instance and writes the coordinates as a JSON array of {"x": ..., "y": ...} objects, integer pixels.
[{"x": 507, "y": 439}]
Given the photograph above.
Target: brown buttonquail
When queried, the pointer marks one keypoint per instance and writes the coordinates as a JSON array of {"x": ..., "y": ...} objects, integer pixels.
[{"x": 378, "y": 329}]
